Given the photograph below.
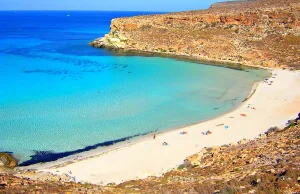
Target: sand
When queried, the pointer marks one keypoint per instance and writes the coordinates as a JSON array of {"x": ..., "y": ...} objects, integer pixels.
[{"x": 274, "y": 105}]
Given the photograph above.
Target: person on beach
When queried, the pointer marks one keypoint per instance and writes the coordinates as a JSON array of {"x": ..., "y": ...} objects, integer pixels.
[
  {"x": 207, "y": 132},
  {"x": 154, "y": 136}
]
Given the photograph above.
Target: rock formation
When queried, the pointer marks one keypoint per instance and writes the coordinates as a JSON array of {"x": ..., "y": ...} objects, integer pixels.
[
  {"x": 253, "y": 33},
  {"x": 7, "y": 161}
]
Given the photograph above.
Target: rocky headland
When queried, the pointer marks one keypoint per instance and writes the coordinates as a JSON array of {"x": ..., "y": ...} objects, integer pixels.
[{"x": 253, "y": 33}]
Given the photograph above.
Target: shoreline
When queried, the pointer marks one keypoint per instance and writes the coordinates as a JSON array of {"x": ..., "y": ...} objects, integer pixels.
[
  {"x": 181, "y": 57},
  {"x": 100, "y": 148},
  {"x": 133, "y": 149}
]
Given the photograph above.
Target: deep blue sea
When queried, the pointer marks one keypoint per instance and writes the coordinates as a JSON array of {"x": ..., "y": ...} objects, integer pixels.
[{"x": 59, "y": 96}]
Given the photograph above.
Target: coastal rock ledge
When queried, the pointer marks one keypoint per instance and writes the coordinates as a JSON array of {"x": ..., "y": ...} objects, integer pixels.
[
  {"x": 7, "y": 161},
  {"x": 254, "y": 33}
]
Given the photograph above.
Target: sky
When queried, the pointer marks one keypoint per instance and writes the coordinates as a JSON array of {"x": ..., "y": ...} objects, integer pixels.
[{"x": 114, "y": 5}]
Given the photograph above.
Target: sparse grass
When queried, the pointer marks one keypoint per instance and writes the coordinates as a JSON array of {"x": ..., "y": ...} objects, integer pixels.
[
  {"x": 214, "y": 24},
  {"x": 237, "y": 170},
  {"x": 292, "y": 125},
  {"x": 180, "y": 167},
  {"x": 146, "y": 27},
  {"x": 229, "y": 190},
  {"x": 111, "y": 184},
  {"x": 292, "y": 39}
]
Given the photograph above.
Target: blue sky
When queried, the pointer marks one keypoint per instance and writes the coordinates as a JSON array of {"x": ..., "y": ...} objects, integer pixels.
[{"x": 119, "y": 5}]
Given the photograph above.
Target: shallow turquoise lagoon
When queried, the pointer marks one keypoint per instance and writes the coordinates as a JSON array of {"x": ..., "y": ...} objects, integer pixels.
[{"x": 58, "y": 94}]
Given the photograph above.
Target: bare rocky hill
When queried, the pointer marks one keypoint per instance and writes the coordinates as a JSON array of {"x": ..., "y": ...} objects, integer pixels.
[{"x": 254, "y": 33}]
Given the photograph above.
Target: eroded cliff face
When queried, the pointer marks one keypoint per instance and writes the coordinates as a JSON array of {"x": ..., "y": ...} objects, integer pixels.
[{"x": 255, "y": 33}]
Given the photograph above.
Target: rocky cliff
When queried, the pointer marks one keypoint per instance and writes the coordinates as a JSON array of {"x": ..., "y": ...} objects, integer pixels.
[{"x": 254, "y": 33}]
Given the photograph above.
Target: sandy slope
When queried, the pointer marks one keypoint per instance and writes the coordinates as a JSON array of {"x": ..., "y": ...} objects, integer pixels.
[{"x": 274, "y": 105}]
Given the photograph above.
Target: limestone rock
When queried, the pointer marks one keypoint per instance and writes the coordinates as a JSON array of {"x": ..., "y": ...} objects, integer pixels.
[
  {"x": 7, "y": 160},
  {"x": 243, "y": 141},
  {"x": 194, "y": 159},
  {"x": 252, "y": 191},
  {"x": 230, "y": 33}
]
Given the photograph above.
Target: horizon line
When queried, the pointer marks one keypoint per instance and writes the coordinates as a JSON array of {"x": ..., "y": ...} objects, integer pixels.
[{"x": 85, "y": 10}]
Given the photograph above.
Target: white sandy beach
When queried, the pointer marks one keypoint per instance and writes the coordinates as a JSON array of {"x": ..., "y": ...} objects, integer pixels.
[{"x": 274, "y": 105}]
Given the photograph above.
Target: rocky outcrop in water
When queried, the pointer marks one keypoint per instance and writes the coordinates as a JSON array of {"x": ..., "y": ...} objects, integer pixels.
[
  {"x": 254, "y": 33},
  {"x": 7, "y": 161}
]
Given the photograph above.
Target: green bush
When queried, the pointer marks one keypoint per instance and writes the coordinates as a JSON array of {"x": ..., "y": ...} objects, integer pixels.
[{"x": 180, "y": 167}]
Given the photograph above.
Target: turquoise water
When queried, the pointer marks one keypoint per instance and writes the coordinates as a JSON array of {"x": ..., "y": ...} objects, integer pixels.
[{"x": 58, "y": 94}]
